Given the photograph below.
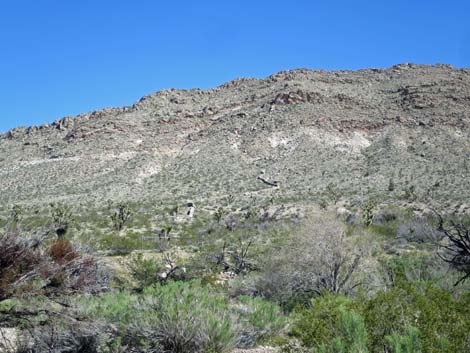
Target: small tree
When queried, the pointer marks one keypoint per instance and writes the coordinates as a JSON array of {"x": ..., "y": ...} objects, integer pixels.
[
  {"x": 219, "y": 214},
  {"x": 61, "y": 217},
  {"x": 368, "y": 213},
  {"x": 456, "y": 250},
  {"x": 121, "y": 216},
  {"x": 318, "y": 259},
  {"x": 391, "y": 185},
  {"x": 15, "y": 217},
  {"x": 165, "y": 231},
  {"x": 235, "y": 259}
]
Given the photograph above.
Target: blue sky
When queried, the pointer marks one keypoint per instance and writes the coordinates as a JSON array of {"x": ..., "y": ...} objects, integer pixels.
[{"x": 60, "y": 58}]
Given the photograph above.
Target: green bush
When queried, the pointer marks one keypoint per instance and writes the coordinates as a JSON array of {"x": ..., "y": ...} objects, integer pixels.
[
  {"x": 190, "y": 312},
  {"x": 263, "y": 320},
  {"x": 120, "y": 244},
  {"x": 410, "y": 267},
  {"x": 185, "y": 317},
  {"x": 437, "y": 316},
  {"x": 145, "y": 271},
  {"x": 332, "y": 324},
  {"x": 177, "y": 317},
  {"x": 410, "y": 317},
  {"x": 407, "y": 343}
]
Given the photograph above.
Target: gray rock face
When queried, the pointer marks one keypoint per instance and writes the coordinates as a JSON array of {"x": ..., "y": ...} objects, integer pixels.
[{"x": 341, "y": 134}]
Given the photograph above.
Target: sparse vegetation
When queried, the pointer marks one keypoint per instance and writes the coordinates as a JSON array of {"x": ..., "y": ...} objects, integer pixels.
[{"x": 314, "y": 229}]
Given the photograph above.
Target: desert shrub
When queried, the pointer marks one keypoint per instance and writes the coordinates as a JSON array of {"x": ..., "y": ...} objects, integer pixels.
[
  {"x": 419, "y": 230},
  {"x": 411, "y": 267},
  {"x": 28, "y": 267},
  {"x": 144, "y": 270},
  {"x": 190, "y": 310},
  {"x": 234, "y": 257},
  {"x": 149, "y": 271},
  {"x": 17, "y": 260},
  {"x": 61, "y": 338},
  {"x": 62, "y": 251},
  {"x": 332, "y": 324},
  {"x": 456, "y": 249},
  {"x": 177, "y": 317},
  {"x": 120, "y": 244},
  {"x": 384, "y": 216},
  {"x": 442, "y": 325},
  {"x": 385, "y": 223},
  {"x": 263, "y": 320},
  {"x": 406, "y": 343},
  {"x": 368, "y": 213},
  {"x": 410, "y": 317},
  {"x": 318, "y": 259},
  {"x": 16, "y": 216},
  {"x": 185, "y": 317}
]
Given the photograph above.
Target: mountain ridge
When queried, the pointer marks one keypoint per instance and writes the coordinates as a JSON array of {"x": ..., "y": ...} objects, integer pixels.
[
  {"x": 315, "y": 133},
  {"x": 233, "y": 82}
]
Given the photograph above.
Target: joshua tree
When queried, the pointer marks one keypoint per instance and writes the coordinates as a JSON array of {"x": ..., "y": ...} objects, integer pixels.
[
  {"x": 391, "y": 185},
  {"x": 121, "y": 216},
  {"x": 367, "y": 213},
  {"x": 62, "y": 218},
  {"x": 165, "y": 231},
  {"x": 219, "y": 214},
  {"x": 15, "y": 217}
]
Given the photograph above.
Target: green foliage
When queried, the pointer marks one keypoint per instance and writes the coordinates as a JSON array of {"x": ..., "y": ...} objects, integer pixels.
[
  {"x": 265, "y": 319},
  {"x": 120, "y": 244},
  {"x": 332, "y": 192},
  {"x": 219, "y": 214},
  {"x": 185, "y": 317},
  {"x": 410, "y": 193},
  {"x": 62, "y": 218},
  {"x": 145, "y": 270},
  {"x": 191, "y": 308},
  {"x": 406, "y": 343},
  {"x": 149, "y": 271},
  {"x": 432, "y": 311},
  {"x": 410, "y": 267},
  {"x": 410, "y": 317},
  {"x": 368, "y": 213},
  {"x": 178, "y": 317},
  {"x": 332, "y": 324}
]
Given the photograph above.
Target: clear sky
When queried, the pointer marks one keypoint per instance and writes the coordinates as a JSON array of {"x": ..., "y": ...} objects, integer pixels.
[{"x": 61, "y": 57}]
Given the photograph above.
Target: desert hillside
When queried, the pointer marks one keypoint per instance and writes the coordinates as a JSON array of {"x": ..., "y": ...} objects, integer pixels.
[
  {"x": 310, "y": 211},
  {"x": 398, "y": 134}
]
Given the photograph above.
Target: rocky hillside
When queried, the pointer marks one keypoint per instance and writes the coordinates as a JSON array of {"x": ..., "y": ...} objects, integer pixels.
[{"x": 400, "y": 134}]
